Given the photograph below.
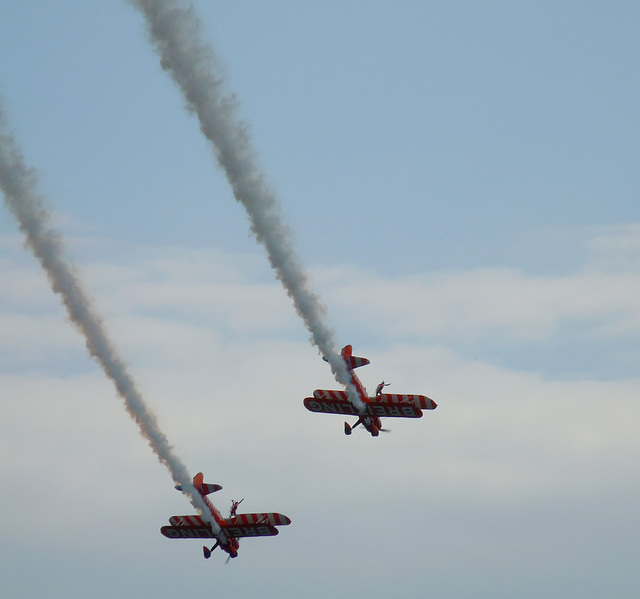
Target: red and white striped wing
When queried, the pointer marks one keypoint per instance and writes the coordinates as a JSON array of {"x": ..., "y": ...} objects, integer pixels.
[
  {"x": 330, "y": 394},
  {"x": 263, "y": 518},
  {"x": 329, "y": 406},
  {"x": 194, "y": 520},
  {"x": 254, "y": 525},
  {"x": 419, "y": 401}
]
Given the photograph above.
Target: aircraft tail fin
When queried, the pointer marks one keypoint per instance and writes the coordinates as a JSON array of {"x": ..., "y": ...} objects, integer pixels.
[
  {"x": 351, "y": 360},
  {"x": 201, "y": 486}
]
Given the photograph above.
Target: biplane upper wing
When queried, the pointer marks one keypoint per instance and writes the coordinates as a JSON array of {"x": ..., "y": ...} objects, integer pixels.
[
  {"x": 331, "y": 394},
  {"x": 419, "y": 401},
  {"x": 254, "y": 525},
  {"x": 193, "y": 520},
  {"x": 270, "y": 518}
]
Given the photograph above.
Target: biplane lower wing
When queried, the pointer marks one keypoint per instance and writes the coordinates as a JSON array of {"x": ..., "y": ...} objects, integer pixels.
[
  {"x": 242, "y": 525},
  {"x": 330, "y": 406},
  {"x": 188, "y": 532},
  {"x": 383, "y": 409},
  {"x": 249, "y": 530},
  {"x": 232, "y": 530}
]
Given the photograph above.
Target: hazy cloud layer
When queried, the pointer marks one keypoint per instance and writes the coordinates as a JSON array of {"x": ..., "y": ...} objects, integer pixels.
[{"x": 512, "y": 468}]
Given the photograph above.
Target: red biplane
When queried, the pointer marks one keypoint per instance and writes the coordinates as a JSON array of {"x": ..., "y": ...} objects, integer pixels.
[
  {"x": 231, "y": 529},
  {"x": 388, "y": 405}
]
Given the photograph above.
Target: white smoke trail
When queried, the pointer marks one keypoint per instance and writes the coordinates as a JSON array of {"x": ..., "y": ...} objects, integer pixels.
[
  {"x": 19, "y": 186},
  {"x": 175, "y": 32}
]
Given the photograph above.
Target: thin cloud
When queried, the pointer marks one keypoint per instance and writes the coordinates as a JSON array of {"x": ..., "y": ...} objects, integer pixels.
[{"x": 495, "y": 301}]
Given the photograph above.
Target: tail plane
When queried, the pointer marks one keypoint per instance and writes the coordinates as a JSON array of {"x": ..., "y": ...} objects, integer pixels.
[
  {"x": 351, "y": 360},
  {"x": 201, "y": 486}
]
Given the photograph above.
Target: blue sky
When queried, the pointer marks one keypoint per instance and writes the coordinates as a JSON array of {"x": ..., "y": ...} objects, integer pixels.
[{"x": 461, "y": 180}]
